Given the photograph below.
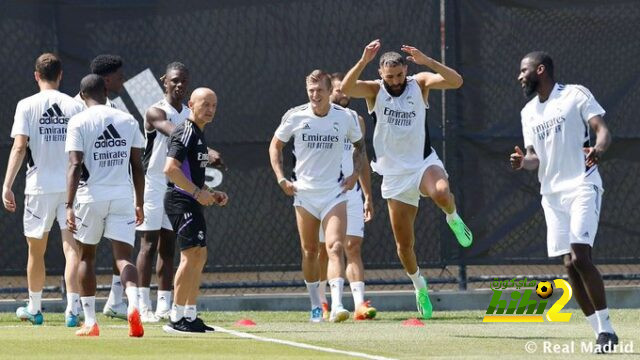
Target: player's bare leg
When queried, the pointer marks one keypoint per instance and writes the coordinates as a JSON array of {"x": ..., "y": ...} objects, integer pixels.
[
  {"x": 35, "y": 280},
  {"x": 308, "y": 228},
  {"x": 144, "y": 260},
  {"x": 434, "y": 184},
  {"x": 355, "y": 274},
  {"x": 164, "y": 271},
  {"x": 335, "y": 225},
  {"x": 580, "y": 293},
  {"x": 72, "y": 259},
  {"x": 87, "y": 281},
  {"x": 323, "y": 259},
  {"x": 122, "y": 252}
]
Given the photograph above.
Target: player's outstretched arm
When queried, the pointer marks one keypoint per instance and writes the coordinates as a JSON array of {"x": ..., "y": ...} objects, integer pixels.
[
  {"x": 519, "y": 160},
  {"x": 173, "y": 171},
  {"x": 73, "y": 179},
  {"x": 603, "y": 140},
  {"x": 365, "y": 177},
  {"x": 18, "y": 152},
  {"x": 137, "y": 173},
  {"x": 275, "y": 156},
  {"x": 156, "y": 119},
  {"x": 444, "y": 77},
  {"x": 357, "y": 88}
]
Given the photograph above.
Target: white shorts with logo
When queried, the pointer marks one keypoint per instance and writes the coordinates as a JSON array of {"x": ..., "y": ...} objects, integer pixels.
[
  {"x": 113, "y": 219},
  {"x": 406, "y": 187},
  {"x": 41, "y": 210},
  {"x": 572, "y": 218},
  {"x": 319, "y": 203},
  {"x": 155, "y": 218},
  {"x": 355, "y": 215}
]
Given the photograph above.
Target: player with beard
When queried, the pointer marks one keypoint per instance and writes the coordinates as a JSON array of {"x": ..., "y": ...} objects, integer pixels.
[
  {"x": 556, "y": 124},
  {"x": 357, "y": 214},
  {"x": 403, "y": 154},
  {"x": 156, "y": 232}
]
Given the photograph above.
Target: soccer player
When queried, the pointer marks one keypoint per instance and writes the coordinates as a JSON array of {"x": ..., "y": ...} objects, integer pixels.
[
  {"x": 556, "y": 126},
  {"x": 409, "y": 166},
  {"x": 109, "y": 67},
  {"x": 185, "y": 165},
  {"x": 39, "y": 132},
  {"x": 319, "y": 130},
  {"x": 103, "y": 144},
  {"x": 357, "y": 214},
  {"x": 157, "y": 232}
]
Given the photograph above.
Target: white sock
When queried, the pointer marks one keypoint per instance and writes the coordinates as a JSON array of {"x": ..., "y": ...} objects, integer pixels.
[
  {"x": 604, "y": 325},
  {"x": 35, "y": 302},
  {"x": 418, "y": 281},
  {"x": 177, "y": 312},
  {"x": 164, "y": 300},
  {"x": 132, "y": 296},
  {"x": 312, "y": 287},
  {"x": 593, "y": 321},
  {"x": 190, "y": 312},
  {"x": 453, "y": 216},
  {"x": 322, "y": 291},
  {"x": 144, "y": 299},
  {"x": 336, "y": 286},
  {"x": 115, "y": 295},
  {"x": 357, "y": 290},
  {"x": 89, "y": 307},
  {"x": 72, "y": 303}
]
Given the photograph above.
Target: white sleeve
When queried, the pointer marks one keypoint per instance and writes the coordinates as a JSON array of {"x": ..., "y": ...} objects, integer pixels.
[
  {"x": 527, "y": 135},
  {"x": 74, "y": 136},
  {"x": 354, "y": 133},
  {"x": 286, "y": 128},
  {"x": 588, "y": 105},
  {"x": 21, "y": 120},
  {"x": 138, "y": 138}
]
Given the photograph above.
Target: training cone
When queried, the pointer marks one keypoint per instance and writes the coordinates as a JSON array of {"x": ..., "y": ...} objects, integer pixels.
[
  {"x": 245, "y": 322},
  {"x": 412, "y": 322}
]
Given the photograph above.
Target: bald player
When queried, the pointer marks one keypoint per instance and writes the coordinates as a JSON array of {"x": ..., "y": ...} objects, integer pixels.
[{"x": 187, "y": 158}]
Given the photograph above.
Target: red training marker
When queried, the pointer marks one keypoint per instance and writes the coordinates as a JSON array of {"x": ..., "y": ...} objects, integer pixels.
[
  {"x": 413, "y": 322},
  {"x": 246, "y": 322}
]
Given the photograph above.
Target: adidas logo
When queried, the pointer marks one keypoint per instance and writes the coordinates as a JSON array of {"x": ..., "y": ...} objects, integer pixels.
[
  {"x": 199, "y": 142},
  {"x": 306, "y": 127},
  {"x": 586, "y": 234},
  {"x": 110, "y": 138},
  {"x": 53, "y": 115}
]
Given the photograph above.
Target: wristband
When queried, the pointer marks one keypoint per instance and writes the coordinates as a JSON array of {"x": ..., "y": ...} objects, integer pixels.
[
  {"x": 196, "y": 192},
  {"x": 281, "y": 180}
]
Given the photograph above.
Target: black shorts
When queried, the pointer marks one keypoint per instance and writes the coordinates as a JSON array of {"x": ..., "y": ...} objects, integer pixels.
[{"x": 190, "y": 229}]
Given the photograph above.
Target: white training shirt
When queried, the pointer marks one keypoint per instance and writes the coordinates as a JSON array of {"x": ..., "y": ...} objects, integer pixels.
[
  {"x": 109, "y": 103},
  {"x": 155, "y": 152},
  {"x": 558, "y": 129},
  {"x": 105, "y": 135},
  {"x": 400, "y": 138},
  {"x": 318, "y": 144},
  {"x": 43, "y": 117}
]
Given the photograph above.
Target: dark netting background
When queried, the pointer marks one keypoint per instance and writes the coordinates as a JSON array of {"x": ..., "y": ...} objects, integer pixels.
[{"x": 255, "y": 54}]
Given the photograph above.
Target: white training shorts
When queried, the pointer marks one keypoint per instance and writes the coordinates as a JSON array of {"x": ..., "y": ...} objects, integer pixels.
[
  {"x": 355, "y": 214},
  {"x": 319, "y": 203},
  {"x": 113, "y": 219},
  {"x": 572, "y": 218},
  {"x": 155, "y": 218},
  {"x": 41, "y": 210},
  {"x": 406, "y": 187}
]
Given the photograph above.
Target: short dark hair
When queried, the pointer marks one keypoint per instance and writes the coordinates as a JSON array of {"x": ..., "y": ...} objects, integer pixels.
[
  {"x": 337, "y": 76},
  {"x": 542, "y": 58},
  {"x": 317, "y": 76},
  {"x": 49, "y": 66},
  {"x": 392, "y": 59},
  {"x": 105, "y": 64},
  {"x": 176, "y": 65},
  {"x": 92, "y": 86}
]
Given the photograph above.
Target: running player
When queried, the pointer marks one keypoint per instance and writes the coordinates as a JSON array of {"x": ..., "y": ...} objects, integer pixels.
[
  {"x": 185, "y": 165},
  {"x": 157, "y": 233},
  {"x": 357, "y": 214},
  {"x": 112, "y": 143},
  {"x": 109, "y": 67},
  {"x": 556, "y": 127},
  {"x": 404, "y": 157},
  {"x": 319, "y": 130},
  {"x": 39, "y": 131}
]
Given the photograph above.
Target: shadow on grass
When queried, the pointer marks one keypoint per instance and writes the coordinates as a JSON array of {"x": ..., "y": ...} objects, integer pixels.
[{"x": 545, "y": 338}]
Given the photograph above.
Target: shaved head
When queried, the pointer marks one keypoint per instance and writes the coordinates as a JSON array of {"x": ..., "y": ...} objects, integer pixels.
[{"x": 203, "y": 104}]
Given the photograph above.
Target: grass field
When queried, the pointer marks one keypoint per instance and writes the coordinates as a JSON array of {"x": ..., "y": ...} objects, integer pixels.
[{"x": 448, "y": 335}]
